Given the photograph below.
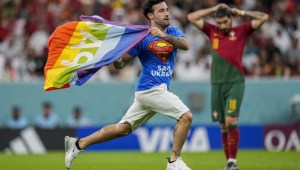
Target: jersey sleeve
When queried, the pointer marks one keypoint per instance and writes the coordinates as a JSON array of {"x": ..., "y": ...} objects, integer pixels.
[
  {"x": 207, "y": 28},
  {"x": 179, "y": 33},
  {"x": 135, "y": 51},
  {"x": 176, "y": 32},
  {"x": 247, "y": 28}
]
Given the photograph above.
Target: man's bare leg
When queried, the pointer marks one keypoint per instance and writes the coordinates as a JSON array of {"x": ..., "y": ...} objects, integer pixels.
[
  {"x": 105, "y": 134},
  {"x": 180, "y": 133}
]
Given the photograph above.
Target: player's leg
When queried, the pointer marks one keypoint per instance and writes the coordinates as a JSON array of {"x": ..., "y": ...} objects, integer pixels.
[
  {"x": 233, "y": 137},
  {"x": 217, "y": 111},
  {"x": 224, "y": 136},
  {"x": 233, "y": 103}
]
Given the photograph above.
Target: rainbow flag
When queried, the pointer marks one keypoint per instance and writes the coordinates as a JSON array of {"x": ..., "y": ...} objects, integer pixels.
[{"x": 78, "y": 49}]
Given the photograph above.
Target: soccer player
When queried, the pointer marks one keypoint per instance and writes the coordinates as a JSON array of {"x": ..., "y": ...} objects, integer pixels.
[
  {"x": 227, "y": 76},
  {"x": 157, "y": 54}
]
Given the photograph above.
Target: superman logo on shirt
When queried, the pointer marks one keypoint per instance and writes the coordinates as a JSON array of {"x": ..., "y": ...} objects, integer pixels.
[{"x": 161, "y": 49}]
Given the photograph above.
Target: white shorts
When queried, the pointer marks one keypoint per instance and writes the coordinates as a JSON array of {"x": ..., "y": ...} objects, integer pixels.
[{"x": 149, "y": 102}]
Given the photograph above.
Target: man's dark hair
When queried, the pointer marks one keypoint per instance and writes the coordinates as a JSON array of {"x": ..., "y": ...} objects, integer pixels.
[
  {"x": 147, "y": 6},
  {"x": 15, "y": 109},
  {"x": 47, "y": 104},
  {"x": 77, "y": 109},
  {"x": 223, "y": 12}
]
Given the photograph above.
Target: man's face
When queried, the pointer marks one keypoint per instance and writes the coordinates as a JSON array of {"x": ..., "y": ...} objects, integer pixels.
[
  {"x": 16, "y": 114},
  {"x": 224, "y": 24},
  {"x": 160, "y": 15},
  {"x": 47, "y": 111}
]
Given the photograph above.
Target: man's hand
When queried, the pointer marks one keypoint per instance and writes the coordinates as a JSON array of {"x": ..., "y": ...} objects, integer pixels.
[
  {"x": 119, "y": 64},
  {"x": 237, "y": 12},
  {"x": 154, "y": 31},
  {"x": 219, "y": 6},
  {"x": 196, "y": 16},
  {"x": 123, "y": 61}
]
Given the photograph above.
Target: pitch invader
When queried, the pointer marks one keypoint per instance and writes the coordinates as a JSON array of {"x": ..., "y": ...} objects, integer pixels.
[{"x": 157, "y": 54}]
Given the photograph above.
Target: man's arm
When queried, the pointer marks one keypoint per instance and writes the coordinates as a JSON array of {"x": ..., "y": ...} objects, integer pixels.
[
  {"x": 177, "y": 42},
  {"x": 123, "y": 61},
  {"x": 258, "y": 18},
  {"x": 196, "y": 17}
]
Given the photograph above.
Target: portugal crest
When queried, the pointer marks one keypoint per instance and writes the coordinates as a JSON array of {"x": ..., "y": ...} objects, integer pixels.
[
  {"x": 161, "y": 49},
  {"x": 232, "y": 36}
]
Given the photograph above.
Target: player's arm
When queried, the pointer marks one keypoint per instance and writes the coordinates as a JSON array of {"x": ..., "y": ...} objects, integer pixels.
[
  {"x": 123, "y": 61},
  {"x": 196, "y": 17},
  {"x": 177, "y": 42},
  {"x": 258, "y": 18}
]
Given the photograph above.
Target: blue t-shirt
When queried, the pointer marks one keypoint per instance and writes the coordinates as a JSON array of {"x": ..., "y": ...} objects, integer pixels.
[{"x": 157, "y": 57}]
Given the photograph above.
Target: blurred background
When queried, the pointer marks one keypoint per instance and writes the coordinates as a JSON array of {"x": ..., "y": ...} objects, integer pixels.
[{"x": 271, "y": 108}]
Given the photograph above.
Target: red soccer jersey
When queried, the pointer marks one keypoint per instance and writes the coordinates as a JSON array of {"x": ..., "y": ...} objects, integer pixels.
[{"x": 227, "y": 51}]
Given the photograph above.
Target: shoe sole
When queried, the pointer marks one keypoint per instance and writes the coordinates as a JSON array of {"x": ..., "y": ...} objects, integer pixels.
[
  {"x": 66, "y": 142},
  {"x": 66, "y": 149}
]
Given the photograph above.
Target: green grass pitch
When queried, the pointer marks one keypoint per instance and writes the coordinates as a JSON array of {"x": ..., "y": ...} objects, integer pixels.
[{"x": 214, "y": 160}]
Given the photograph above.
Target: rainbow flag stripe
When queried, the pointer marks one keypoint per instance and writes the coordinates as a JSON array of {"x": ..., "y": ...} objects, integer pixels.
[{"x": 78, "y": 49}]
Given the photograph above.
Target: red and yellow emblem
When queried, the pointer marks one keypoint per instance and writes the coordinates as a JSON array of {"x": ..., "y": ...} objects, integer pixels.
[
  {"x": 215, "y": 41},
  {"x": 161, "y": 49},
  {"x": 232, "y": 36}
]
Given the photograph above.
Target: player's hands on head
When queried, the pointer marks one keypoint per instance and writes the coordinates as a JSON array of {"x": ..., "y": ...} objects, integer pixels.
[
  {"x": 154, "y": 31},
  {"x": 223, "y": 5},
  {"x": 236, "y": 11}
]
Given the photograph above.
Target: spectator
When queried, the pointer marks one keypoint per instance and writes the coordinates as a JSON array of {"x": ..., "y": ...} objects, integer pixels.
[
  {"x": 293, "y": 54},
  {"x": 11, "y": 46},
  {"x": 47, "y": 119},
  {"x": 296, "y": 71},
  {"x": 25, "y": 27},
  {"x": 250, "y": 57},
  {"x": 8, "y": 74},
  {"x": 16, "y": 120},
  {"x": 277, "y": 67},
  {"x": 76, "y": 119},
  {"x": 37, "y": 52}
]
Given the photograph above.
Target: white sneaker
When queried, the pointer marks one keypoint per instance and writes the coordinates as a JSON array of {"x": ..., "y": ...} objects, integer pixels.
[
  {"x": 71, "y": 151},
  {"x": 177, "y": 165}
]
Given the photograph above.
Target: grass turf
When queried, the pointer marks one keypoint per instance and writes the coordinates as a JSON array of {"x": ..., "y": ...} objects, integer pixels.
[{"x": 214, "y": 160}]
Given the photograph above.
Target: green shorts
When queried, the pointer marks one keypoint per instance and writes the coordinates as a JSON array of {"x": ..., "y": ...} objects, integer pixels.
[{"x": 226, "y": 100}]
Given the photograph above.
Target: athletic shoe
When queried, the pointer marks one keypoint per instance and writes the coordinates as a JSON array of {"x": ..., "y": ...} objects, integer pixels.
[
  {"x": 177, "y": 165},
  {"x": 231, "y": 166},
  {"x": 71, "y": 151}
]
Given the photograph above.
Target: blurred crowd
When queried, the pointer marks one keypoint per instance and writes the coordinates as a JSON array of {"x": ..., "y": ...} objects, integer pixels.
[
  {"x": 25, "y": 25},
  {"x": 46, "y": 119}
]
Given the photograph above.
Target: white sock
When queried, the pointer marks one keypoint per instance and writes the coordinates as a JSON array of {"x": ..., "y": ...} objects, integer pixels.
[{"x": 232, "y": 160}]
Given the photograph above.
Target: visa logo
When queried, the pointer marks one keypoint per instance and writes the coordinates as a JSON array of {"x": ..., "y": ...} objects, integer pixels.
[{"x": 161, "y": 138}]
